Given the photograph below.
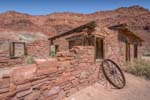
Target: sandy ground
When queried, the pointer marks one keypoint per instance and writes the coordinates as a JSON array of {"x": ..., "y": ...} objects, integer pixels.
[{"x": 136, "y": 89}]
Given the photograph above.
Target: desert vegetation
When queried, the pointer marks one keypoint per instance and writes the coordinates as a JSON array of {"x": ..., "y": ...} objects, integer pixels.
[
  {"x": 30, "y": 60},
  {"x": 138, "y": 68}
]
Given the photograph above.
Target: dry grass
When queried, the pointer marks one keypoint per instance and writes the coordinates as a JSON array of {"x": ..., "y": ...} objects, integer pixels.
[{"x": 138, "y": 68}]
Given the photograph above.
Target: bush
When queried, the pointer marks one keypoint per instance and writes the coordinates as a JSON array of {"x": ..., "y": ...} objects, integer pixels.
[
  {"x": 138, "y": 68},
  {"x": 30, "y": 60}
]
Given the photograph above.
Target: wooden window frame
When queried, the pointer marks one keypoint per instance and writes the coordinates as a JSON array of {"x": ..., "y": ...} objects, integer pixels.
[
  {"x": 12, "y": 49},
  {"x": 74, "y": 38}
]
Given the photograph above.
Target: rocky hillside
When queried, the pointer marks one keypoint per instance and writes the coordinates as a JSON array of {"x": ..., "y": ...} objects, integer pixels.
[{"x": 27, "y": 27}]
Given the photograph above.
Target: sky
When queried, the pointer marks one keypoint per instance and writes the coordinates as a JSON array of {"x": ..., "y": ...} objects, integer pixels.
[{"x": 43, "y": 7}]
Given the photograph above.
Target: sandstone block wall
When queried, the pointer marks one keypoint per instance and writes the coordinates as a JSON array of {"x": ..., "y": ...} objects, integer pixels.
[
  {"x": 6, "y": 62},
  {"x": 115, "y": 46},
  {"x": 62, "y": 43},
  {"x": 38, "y": 49},
  {"x": 52, "y": 79}
]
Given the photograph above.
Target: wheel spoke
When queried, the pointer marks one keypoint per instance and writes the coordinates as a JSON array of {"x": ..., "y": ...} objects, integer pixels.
[
  {"x": 120, "y": 82},
  {"x": 119, "y": 78},
  {"x": 115, "y": 81}
]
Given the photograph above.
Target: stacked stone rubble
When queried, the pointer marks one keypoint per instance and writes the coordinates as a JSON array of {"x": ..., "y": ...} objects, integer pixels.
[
  {"x": 52, "y": 79},
  {"x": 7, "y": 62},
  {"x": 38, "y": 49}
]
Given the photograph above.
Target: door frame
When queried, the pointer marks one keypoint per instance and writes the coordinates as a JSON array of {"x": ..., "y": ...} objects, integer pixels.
[{"x": 128, "y": 51}]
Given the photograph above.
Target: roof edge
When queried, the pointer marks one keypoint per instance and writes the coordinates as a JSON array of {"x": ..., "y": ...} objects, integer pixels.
[{"x": 78, "y": 29}]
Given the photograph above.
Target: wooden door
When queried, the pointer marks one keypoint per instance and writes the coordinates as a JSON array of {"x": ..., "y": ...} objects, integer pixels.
[{"x": 128, "y": 55}]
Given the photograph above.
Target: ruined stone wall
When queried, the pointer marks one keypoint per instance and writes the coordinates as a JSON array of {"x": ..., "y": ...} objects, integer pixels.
[
  {"x": 63, "y": 43},
  {"x": 5, "y": 60},
  {"x": 119, "y": 49},
  {"x": 38, "y": 49},
  {"x": 4, "y": 48},
  {"x": 8, "y": 63},
  {"x": 122, "y": 46},
  {"x": 111, "y": 44},
  {"x": 51, "y": 79},
  {"x": 115, "y": 47}
]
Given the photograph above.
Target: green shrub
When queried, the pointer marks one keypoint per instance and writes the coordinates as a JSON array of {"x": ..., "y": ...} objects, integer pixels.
[
  {"x": 30, "y": 60},
  {"x": 138, "y": 68}
]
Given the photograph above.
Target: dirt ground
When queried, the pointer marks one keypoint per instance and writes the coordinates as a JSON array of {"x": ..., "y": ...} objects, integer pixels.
[{"x": 136, "y": 88}]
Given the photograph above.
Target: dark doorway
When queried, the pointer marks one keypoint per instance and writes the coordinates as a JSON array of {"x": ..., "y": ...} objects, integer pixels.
[
  {"x": 135, "y": 51},
  {"x": 99, "y": 48}
]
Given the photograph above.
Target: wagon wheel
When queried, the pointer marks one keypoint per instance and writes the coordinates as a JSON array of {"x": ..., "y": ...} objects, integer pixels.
[{"x": 113, "y": 73}]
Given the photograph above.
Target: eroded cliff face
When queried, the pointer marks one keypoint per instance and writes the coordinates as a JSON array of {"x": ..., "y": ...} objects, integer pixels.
[{"x": 17, "y": 24}]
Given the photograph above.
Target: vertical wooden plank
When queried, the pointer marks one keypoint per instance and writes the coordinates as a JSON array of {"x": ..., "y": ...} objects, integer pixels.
[
  {"x": 128, "y": 55},
  {"x": 49, "y": 47},
  {"x": 102, "y": 46},
  {"x": 94, "y": 48},
  {"x": 129, "y": 52},
  {"x": 25, "y": 49},
  {"x": 83, "y": 40},
  {"x": 103, "y": 40},
  {"x": 13, "y": 49},
  {"x": 10, "y": 49},
  {"x": 50, "y": 44}
]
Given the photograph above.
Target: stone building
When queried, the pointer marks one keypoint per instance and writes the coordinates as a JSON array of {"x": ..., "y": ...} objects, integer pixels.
[
  {"x": 118, "y": 42},
  {"x": 74, "y": 66},
  {"x": 12, "y": 53}
]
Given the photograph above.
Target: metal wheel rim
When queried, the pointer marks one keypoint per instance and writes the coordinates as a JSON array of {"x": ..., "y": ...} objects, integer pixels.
[{"x": 113, "y": 80}]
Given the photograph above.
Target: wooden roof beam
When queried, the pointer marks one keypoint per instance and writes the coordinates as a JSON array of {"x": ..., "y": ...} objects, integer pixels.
[
  {"x": 91, "y": 24},
  {"x": 124, "y": 27}
]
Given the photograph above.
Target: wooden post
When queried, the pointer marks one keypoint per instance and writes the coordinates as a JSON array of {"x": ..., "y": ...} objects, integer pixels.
[
  {"x": 94, "y": 48},
  {"x": 83, "y": 40},
  {"x": 10, "y": 49},
  {"x": 25, "y": 50},
  {"x": 50, "y": 44},
  {"x": 13, "y": 49},
  {"x": 49, "y": 47}
]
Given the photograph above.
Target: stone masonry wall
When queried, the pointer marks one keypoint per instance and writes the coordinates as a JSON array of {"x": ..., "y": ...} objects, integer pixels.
[
  {"x": 63, "y": 43},
  {"x": 38, "y": 49},
  {"x": 52, "y": 79},
  {"x": 8, "y": 63},
  {"x": 115, "y": 47}
]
